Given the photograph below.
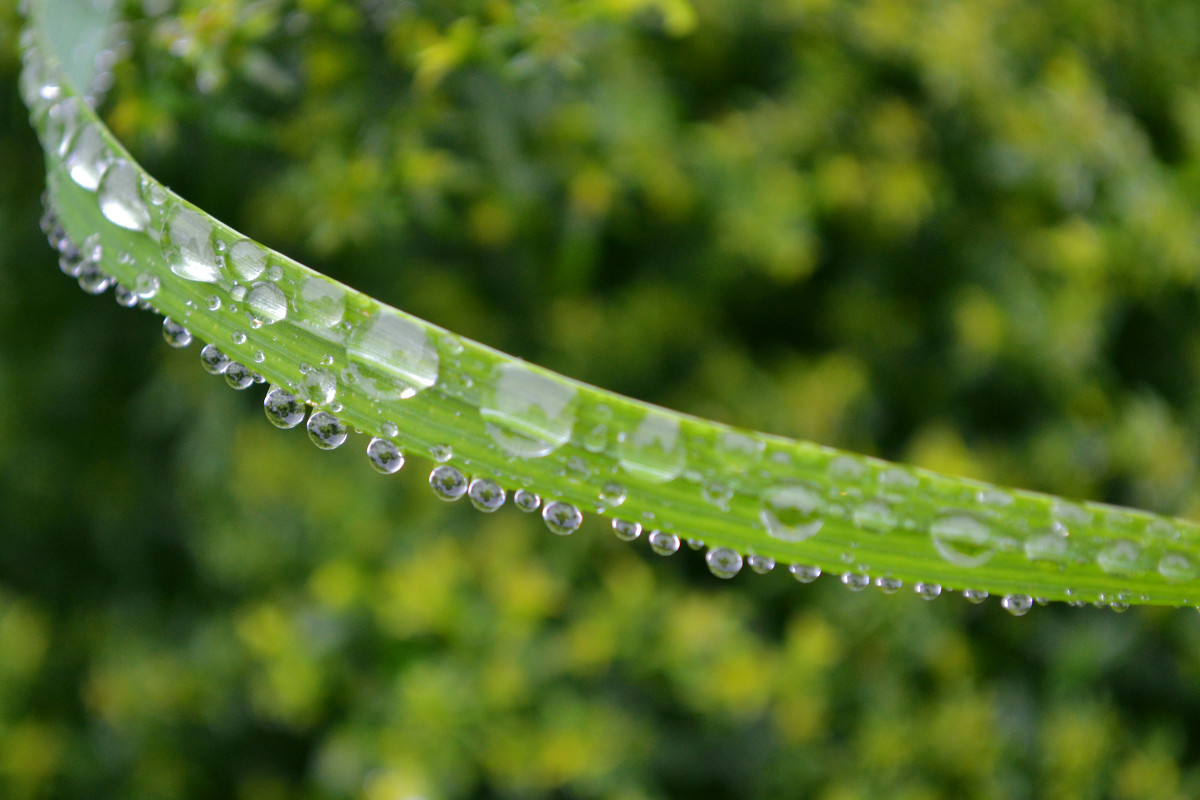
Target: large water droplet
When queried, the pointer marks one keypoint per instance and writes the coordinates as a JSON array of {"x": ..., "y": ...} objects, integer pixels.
[
  {"x": 213, "y": 360},
  {"x": 486, "y": 495},
  {"x": 320, "y": 303},
  {"x": 283, "y": 409},
  {"x": 789, "y": 512},
  {"x": 626, "y": 531},
  {"x": 1017, "y": 604},
  {"x": 528, "y": 414},
  {"x": 401, "y": 359},
  {"x": 247, "y": 260},
  {"x": 1119, "y": 558},
  {"x": 653, "y": 452},
  {"x": 723, "y": 562},
  {"x": 326, "y": 431},
  {"x": 384, "y": 455},
  {"x": 175, "y": 334},
  {"x": 447, "y": 483},
  {"x": 663, "y": 542},
  {"x": 805, "y": 573},
  {"x": 187, "y": 246},
  {"x": 526, "y": 500},
  {"x": 266, "y": 303},
  {"x": 562, "y": 518},
  {"x": 88, "y": 158},
  {"x": 962, "y": 540},
  {"x": 120, "y": 196},
  {"x": 238, "y": 376}
]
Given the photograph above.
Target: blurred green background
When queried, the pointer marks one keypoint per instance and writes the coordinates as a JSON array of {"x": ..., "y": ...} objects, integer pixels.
[{"x": 961, "y": 234}]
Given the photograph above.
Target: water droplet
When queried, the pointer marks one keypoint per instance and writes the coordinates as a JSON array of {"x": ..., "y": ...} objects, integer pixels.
[
  {"x": 389, "y": 430},
  {"x": 889, "y": 585},
  {"x": 326, "y": 431},
  {"x": 1070, "y": 513},
  {"x": 61, "y": 126},
  {"x": 789, "y": 512},
  {"x": 384, "y": 455},
  {"x": 760, "y": 564},
  {"x": 441, "y": 453},
  {"x": 146, "y": 286},
  {"x": 663, "y": 543},
  {"x": 318, "y": 387},
  {"x": 596, "y": 440},
  {"x": 1164, "y": 530},
  {"x": 526, "y": 500},
  {"x": 846, "y": 468},
  {"x": 187, "y": 246},
  {"x": 321, "y": 303},
  {"x": 238, "y": 376},
  {"x": 88, "y": 158},
  {"x": 1050, "y": 545},
  {"x": 994, "y": 497},
  {"x": 447, "y": 483},
  {"x": 238, "y": 337},
  {"x": 283, "y": 409},
  {"x": 1119, "y": 558},
  {"x": 247, "y": 260},
  {"x": 717, "y": 493},
  {"x": 975, "y": 596},
  {"x": 927, "y": 591},
  {"x": 124, "y": 297},
  {"x": 1017, "y": 604},
  {"x": 92, "y": 279},
  {"x": 695, "y": 544},
  {"x": 962, "y": 540},
  {"x": 486, "y": 495},
  {"x": 612, "y": 494},
  {"x": 804, "y": 573},
  {"x": 653, "y": 452},
  {"x": 723, "y": 562},
  {"x": 741, "y": 448},
  {"x": 528, "y": 414},
  {"x": 213, "y": 360},
  {"x": 120, "y": 197},
  {"x": 626, "y": 531},
  {"x": 212, "y": 302},
  {"x": 266, "y": 303},
  {"x": 1176, "y": 568},
  {"x": 874, "y": 515},
  {"x": 397, "y": 351},
  {"x": 175, "y": 334},
  {"x": 562, "y": 518},
  {"x": 855, "y": 581}
]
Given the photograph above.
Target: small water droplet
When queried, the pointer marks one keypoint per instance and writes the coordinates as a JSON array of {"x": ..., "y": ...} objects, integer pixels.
[
  {"x": 283, "y": 409},
  {"x": 175, "y": 334},
  {"x": 1017, "y": 604},
  {"x": 212, "y": 302},
  {"x": 124, "y": 296},
  {"x": 1050, "y": 545},
  {"x": 874, "y": 515},
  {"x": 612, "y": 494},
  {"x": 663, "y": 543},
  {"x": 120, "y": 196},
  {"x": 975, "y": 596},
  {"x": 447, "y": 483},
  {"x": 389, "y": 429},
  {"x": 92, "y": 279},
  {"x": 526, "y": 500},
  {"x": 695, "y": 544},
  {"x": 187, "y": 246},
  {"x": 384, "y": 455},
  {"x": 654, "y": 452},
  {"x": 789, "y": 512},
  {"x": 626, "y": 531},
  {"x": 528, "y": 414},
  {"x": 88, "y": 158},
  {"x": 717, "y": 493},
  {"x": 889, "y": 585},
  {"x": 213, "y": 360},
  {"x": 562, "y": 518},
  {"x": 441, "y": 453},
  {"x": 238, "y": 376},
  {"x": 146, "y": 286},
  {"x": 994, "y": 497},
  {"x": 928, "y": 591},
  {"x": 266, "y": 304},
  {"x": 805, "y": 573},
  {"x": 741, "y": 448},
  {"x": 486, "y": 495},
  {"x": 962, "y": 540},
  {"x": 238, "y": 337},
  {"x": 1176, "y": 568},
  {"x": 259, "y": 357},
  {"x": 855, "y": 581},
  {"x": 723, "y": 562},
  {"x": 596, "y": 440},
  {"x": 326, "y": 431},
  {"x": 760, "y": 564}
]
